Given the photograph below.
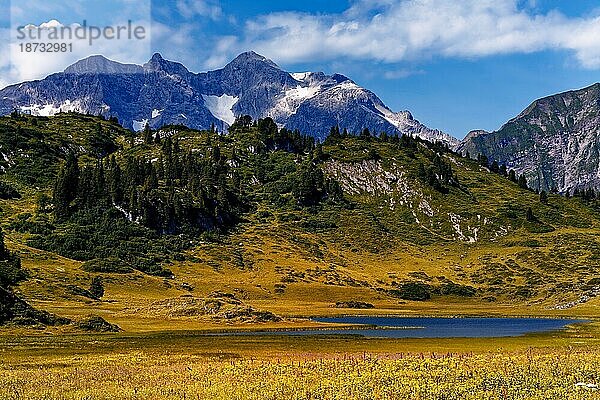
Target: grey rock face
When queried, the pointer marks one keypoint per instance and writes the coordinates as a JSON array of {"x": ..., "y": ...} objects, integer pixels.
[
  {"x": 100, "y": 65},
  {"x": 555, "y": 142}
]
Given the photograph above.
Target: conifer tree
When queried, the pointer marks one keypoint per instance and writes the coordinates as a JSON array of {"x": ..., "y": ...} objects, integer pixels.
[
  {"x": 115, "y": 181},
  {"x": 522, "y": 182},
  {"x": 97, "y": 288},
  {"x": 495, "y": 168},
  {"x": 151, "y": 180},
  {"x": 483, "y": 160},
  {"x": 66, "y": 186},
  {"x": 334, "y": 134},
  {"x": 147, "y": 134},
  {"x": 529, "y": 215},
  {"x": 503, "y": 170}
]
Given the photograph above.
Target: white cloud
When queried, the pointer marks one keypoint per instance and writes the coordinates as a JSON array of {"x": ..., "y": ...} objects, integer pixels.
[
  {"x": 219, "y": 56},
  {"x": 51, "y": 24},
  {"x": 203, "y": 8},
  {"x": 28, "y": 65},
  {"x": 399, "y": 30},
  {"x": 17, "y": 65},
  {"x": 386, "y": 31},
  {"x": 401, "y": 73}
]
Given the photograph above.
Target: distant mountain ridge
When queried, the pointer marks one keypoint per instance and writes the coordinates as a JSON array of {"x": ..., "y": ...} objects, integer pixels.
[
  {"x": 555, "y": 142},
  {"x": 164, "y": 92}
]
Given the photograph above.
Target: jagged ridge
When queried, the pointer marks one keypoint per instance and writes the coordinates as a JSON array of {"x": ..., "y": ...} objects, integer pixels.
[{"x": 163, "y": 92}]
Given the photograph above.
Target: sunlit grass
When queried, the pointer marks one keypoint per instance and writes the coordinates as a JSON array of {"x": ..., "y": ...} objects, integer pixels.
[{"x": 529, "y": 374}]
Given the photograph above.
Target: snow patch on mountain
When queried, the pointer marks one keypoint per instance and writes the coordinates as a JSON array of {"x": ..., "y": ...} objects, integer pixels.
[
  {"x": 348, "y": 85},
  {"x": 47, "y": 110},
  {"x": 292, "y": 99},
  {"x": 300, "y": 93},
  {"x": 221, "y": 107},
  {"x": 343, "y": 91},
  {"x": 399, "y": 120},
  {"x": 300, "y": 76},
  {"x": 139, "y": 125},
  {"x": 156, "y": 113}
]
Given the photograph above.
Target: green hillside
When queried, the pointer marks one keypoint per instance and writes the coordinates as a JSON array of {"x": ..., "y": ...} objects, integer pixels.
[{"x": 181, "y": 229}]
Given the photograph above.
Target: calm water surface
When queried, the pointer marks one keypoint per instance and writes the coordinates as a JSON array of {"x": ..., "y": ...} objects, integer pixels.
[
  {"x": 394, "y": 327},
  {"x": 400, "y": 327}
]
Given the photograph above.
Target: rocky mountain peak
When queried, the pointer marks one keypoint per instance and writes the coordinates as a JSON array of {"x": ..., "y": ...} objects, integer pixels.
[
  {"x": 158, "y": 63},
  {"x": 339, "y": 78},
  {"x": 98, "y": 64},
  {"x": 475, "y": 133},
  {"x": 250, "y": 58},
  {"x": 163, "y": 92}
]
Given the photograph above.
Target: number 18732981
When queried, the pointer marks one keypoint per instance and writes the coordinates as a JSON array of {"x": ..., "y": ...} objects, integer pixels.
[{"x": 33, "y": 47}]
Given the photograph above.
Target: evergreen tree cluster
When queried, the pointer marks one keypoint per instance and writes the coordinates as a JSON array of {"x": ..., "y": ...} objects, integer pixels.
[
  {"x": 587, "y": 195},
  {"x": 402, "y": 141},
  {"x": 439, "y": 175},
  {"x": 270, "y": 138},
  {"x": 11, "y": 271},
  {"x": 178, "y": 192},
  {"x": 139, "y": 207},
  {"x": 305, "y": 181},
  {"x": 311, "y": 187},
  {"x": 502, "y": 170}
]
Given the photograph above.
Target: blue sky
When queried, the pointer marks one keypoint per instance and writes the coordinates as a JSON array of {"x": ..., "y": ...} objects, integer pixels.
[{"x": 456, "y": 65}]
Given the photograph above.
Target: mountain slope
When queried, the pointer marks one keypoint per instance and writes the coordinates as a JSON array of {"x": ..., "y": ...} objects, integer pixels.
[
  {"x": 555, "y": 142},
  {"x": 163, "y": 92},
  {"x": 282, "y": 225}
]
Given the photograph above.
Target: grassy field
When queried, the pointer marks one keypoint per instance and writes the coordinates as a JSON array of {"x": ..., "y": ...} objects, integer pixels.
[
  {"x": 141, "y": 303},
  {"x": 392, "y": 229},
  {"x": 186, "y": 365},
  {"x": 470, "y": 245}
]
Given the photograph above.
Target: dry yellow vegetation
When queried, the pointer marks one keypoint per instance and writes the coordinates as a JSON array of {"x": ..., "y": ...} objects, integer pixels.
[
  {"x": 188, "y": 365},
  {"x": 296, "y": 262},
  {"x": 531, "y": 374}
]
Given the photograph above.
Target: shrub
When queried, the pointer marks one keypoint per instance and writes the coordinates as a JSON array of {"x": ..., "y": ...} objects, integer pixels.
[
  {"x": 11, "y": 272},
  {"x": 454, "y": 289},
  {"x": 416, "y": 291},
  {"x": 354, "y": 304},
  {"x": 97, "y": 324},
  {"x": 27, "y": 223},
  {"x": 594, "y": 281},
  {"x": 107, "y": 265},
  {"x": 97, "y": 288},
  {"x": 7, "y": 192}
]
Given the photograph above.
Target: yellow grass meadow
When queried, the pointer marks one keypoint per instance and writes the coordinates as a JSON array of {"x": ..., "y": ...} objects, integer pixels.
[{"x": 564, "y": 373}]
